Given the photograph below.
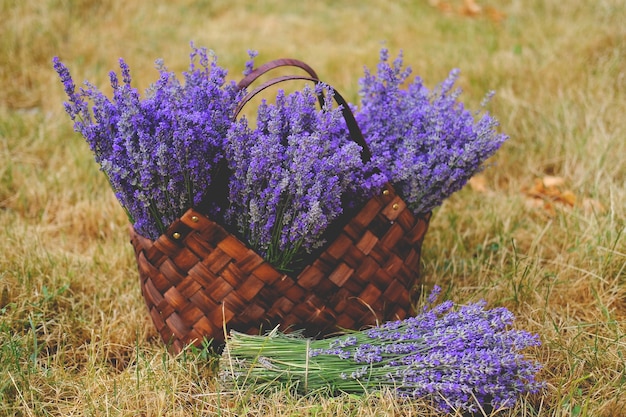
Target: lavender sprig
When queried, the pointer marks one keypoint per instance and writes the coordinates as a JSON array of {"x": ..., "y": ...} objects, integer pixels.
[
  {"x": 425, "y": 141},
  {"x": 293, "y": 175},
  {"x": 159, "y": 153},
  {"x": 458, "y": 357}
]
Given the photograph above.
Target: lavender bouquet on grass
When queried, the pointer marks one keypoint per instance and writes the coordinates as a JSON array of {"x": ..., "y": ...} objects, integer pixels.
[
  {"x": 425, "y": 142},
  {"x": 160, "y": 153},
  {"x": 294, "y": 175},
  {"x": 462, "y": 358}
]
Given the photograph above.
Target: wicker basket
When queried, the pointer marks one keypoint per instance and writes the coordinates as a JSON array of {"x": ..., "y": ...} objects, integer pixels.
[{"x": 199, "y": 281}]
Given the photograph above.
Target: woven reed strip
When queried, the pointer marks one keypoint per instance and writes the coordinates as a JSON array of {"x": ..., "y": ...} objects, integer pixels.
[{"x": 197, "y": 277}]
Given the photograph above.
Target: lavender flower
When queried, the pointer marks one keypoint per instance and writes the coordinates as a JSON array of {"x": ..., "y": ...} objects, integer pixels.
[
  {"x": 426, "y": 142},
  {"x": 293, "y": 175},
  {"x": 159, "y": 153},
  {"x": 459, "y": 358}
]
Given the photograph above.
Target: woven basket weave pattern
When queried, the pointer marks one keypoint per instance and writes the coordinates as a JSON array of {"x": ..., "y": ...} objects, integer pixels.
[{"x": 197, "y": 279}]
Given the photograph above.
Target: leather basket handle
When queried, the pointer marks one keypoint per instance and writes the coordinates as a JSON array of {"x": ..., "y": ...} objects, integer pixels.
[
  {"x": 353, "y": 128},
  {"x": 268, "y": 66}
]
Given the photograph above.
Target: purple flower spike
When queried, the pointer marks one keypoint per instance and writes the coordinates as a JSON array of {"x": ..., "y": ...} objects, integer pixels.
[
  {"x": 292, "y": 175},
  {"x": 160, "y": 153},
  {"x": 425, "y": 141},
  {"x": 454, "y": 356}
]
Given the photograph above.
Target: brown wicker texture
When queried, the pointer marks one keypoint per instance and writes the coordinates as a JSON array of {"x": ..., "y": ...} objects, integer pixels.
[{"x": 198, "y": 280}]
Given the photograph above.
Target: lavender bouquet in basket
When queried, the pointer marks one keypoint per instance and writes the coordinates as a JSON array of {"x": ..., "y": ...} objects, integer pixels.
[
  {"x": 160, "y": 153},
  {"x": 426, "y": 142},
  {"x": 289, "y": 178},
  {"x": 294, "y": 175}
]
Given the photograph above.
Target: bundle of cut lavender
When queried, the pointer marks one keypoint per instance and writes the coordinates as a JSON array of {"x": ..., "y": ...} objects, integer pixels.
[{"x": 458, "y": 357}]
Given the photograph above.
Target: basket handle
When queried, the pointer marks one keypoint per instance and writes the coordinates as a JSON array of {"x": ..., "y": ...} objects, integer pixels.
[
  {"x": 353, "y": 128},
  {"x": 268, "y": 66}
]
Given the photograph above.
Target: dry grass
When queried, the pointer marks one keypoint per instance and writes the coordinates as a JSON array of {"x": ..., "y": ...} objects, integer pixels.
[{"x": 74, "y": 336}]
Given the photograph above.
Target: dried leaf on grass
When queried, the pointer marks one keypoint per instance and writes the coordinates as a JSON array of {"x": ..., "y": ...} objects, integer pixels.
[
  {"x": 469, "y": 8},
  {"x": 443, "y": 6},
  {"x": 551, "y": 181},
  {"x": 550, "y": 192},
  {"x": 495, "y": 15}
]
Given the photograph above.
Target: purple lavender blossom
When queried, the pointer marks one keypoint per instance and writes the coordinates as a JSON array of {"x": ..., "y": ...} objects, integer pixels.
[
  {"x": 455, "y": 357},
  {"x": 425, "y": 141},
  {"x": 292, "y": 174},
  {"x": 159, "y": 153},
  {"x": 461, "y": 358},
  {"x": 296, "y": 172}
]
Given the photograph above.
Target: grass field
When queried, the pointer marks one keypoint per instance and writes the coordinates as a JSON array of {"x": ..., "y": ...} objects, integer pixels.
[{"x": 541, "y": 232}]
